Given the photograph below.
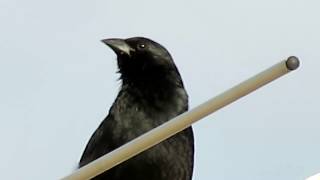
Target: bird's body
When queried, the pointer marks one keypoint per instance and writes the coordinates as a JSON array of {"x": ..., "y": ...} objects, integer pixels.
[{"x": 152, "y": 93}]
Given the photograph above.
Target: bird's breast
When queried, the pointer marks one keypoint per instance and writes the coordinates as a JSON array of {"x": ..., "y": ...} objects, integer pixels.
[{"x": 135, "y": 115}]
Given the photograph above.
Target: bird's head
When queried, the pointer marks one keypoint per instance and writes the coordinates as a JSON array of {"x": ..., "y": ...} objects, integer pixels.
[{"x": 141, "y": 59}]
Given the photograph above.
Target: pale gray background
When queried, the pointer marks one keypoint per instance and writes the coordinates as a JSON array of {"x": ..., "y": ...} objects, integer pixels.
[{"x": 58, "y": 81}]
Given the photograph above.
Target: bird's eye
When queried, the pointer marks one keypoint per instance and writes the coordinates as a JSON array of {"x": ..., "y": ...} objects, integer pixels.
[{"x": 141, "y": 46}]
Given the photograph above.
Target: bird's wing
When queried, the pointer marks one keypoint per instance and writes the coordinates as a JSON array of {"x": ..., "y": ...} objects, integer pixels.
[{"x": 99, "y": 144}]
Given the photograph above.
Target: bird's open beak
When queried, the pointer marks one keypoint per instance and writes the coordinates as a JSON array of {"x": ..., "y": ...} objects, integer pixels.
[{"x": 119, "y": 46}]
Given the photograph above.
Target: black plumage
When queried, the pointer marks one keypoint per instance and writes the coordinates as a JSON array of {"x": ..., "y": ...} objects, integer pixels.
[{"x": 151, "y": 93}]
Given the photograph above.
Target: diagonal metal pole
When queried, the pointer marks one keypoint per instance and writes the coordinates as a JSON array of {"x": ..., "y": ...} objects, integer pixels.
[{"x": 182, "y": 121}]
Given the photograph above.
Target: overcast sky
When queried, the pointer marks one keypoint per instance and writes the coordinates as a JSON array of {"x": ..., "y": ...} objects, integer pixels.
[{"x": 58, "y": 81}]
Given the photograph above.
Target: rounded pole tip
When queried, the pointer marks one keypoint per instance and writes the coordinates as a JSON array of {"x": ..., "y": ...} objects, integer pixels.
[{"x": 292, "y": 63}]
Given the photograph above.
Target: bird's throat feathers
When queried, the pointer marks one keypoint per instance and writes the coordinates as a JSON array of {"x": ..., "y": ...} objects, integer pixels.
[{"x": 155, "y": 81}]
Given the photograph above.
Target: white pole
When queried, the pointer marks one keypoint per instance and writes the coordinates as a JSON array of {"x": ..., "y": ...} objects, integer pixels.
[
  {"x": 314, "y": 177},
  {"x": 182, "y": 121}
]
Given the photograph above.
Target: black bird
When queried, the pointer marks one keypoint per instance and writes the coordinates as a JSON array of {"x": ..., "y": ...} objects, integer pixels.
[{"x": 151, "y": 93}]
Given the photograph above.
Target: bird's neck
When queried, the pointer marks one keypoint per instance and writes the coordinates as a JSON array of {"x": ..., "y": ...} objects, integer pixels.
[
  {"x": 160, "y": 88},
  {"x": 153, "y": 83}
]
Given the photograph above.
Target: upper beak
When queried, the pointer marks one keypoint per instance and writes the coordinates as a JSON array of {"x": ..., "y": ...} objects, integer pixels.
[{"x": 119, "y": 46}]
